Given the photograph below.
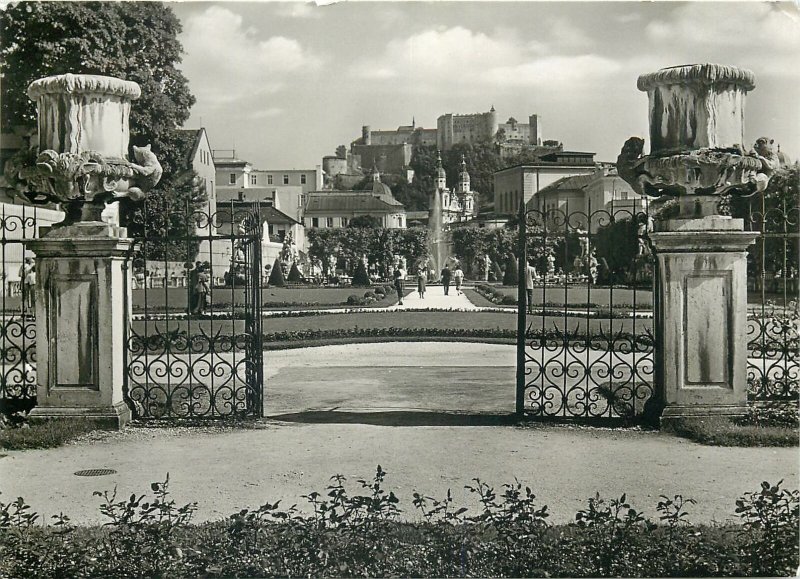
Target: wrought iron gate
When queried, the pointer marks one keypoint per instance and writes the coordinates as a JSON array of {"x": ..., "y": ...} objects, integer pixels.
[
  {"x": 585, "y": 346},
  {"x": 18, "y": 224},
  {"x": 194, "y": 345},
  {"x": 773, "y": 283}
]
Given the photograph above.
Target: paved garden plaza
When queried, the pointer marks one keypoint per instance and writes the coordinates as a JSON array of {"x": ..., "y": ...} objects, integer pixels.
[{"x": 565, "y": 345}]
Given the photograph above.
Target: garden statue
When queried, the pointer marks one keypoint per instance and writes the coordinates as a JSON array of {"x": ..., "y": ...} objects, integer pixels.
[
  {"x": 81, "y": 160},
  {"x": 583, "y": 239},
  {"x": 577, "y": 265},
  {"x": 592, "y": 266},
  {"x": 551, "y": 263},
  {"x": 644, "y": 228},
  {"x": 696, "y": 131},
  {"x": 487, "y": 266}
]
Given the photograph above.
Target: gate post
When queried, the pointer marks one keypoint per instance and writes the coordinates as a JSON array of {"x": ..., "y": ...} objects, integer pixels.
[
  {"x": 702, "y": 296},
  {"x": 80, "y": 281},
  {"x": 522, "y": 308},
  {"x": 697, "y": 161}
]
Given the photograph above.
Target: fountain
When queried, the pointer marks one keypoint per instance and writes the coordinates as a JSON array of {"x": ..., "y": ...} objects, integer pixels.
[{"x": 437, "y": 241}]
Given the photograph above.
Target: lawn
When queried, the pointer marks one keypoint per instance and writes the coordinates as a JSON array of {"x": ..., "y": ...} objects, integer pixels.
[
  {"x": 272, "y": 297},
  {"x": 44, "y": 434},
  {"x": 578, "y": 296}
]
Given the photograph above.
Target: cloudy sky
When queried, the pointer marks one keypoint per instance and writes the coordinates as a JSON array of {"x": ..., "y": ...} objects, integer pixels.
[{"x": 285, "y": 83}]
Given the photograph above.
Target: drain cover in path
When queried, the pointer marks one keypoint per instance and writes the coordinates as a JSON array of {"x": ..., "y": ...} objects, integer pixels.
[{"x": 96, "y": 472}]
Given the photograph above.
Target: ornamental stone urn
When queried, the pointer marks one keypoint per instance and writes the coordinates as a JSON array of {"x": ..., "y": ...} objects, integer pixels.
[
  {"x": 696, "y": 161},
  {"x": 81, "y": 161},
  {"x": 696, "y": 140}
]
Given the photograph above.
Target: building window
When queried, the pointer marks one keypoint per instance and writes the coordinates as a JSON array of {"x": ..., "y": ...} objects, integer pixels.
[
  {"x": 269, "y": 179},
  {"x": 303, "y": 179},
  {"x": 315, "y": 222},
  {"x": 345, "y": 221},
  {"x": 232, "y": 179},
  {"x": 286, "y": 179},
  {"x": 253, "y": 179},
  {"x": 301, "y": 200},
  {"x": 329, "y": 222}
]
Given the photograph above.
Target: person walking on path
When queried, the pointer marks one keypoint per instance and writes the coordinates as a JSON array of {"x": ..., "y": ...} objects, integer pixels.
[
  {"x": 27, "y": 284},
  {"x": 422, "y": 279},
  {"x": 458, "y": 278},
  {"x": 202, "y": 292},
  {"x": 399, "y": 282},
  {"x": 530, "y": 275},
  {"x": 191, "y": 281},
  {"x": 446, "y": 275}
]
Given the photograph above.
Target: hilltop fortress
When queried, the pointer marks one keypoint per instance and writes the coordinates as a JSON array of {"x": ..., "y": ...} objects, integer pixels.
[{"x": 390, "y": 150}]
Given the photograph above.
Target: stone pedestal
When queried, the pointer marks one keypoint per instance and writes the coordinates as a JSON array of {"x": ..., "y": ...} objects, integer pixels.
[
  {"x": 80, "y": 324},
  {"x": 702, "y": 313}
]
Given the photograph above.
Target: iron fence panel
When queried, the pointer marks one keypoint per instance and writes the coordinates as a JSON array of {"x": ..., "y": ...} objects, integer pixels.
[
  {"x": 773, "y": 320},
  {"x": 18, "y": 224},
  {"x": 596, "y": 360},
  {"x": 194, "y": 346}
]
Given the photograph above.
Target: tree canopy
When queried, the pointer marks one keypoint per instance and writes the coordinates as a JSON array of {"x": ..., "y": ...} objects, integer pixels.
[
  {"x": 365, "y": 221},
  {"x": 135, "y": 41}
]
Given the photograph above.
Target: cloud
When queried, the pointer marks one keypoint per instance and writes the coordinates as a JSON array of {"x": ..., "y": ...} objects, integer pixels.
[
  {"x": 459, "y": 57},
  {"x": 298, "y": 10},
  {"x": 761, "y": 35},
  {"x": 555, "y": 72},
  {"x": 227, "y": 62},
  {"x": 435, "y": 52},
  {"x": 265, "y": 113}
]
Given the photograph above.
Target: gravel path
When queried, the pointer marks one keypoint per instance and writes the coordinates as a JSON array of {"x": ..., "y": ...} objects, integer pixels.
[{"x": 422, "y": 444}]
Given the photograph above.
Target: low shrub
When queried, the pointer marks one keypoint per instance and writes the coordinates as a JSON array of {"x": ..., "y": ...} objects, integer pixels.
[
  {"x": 294, "y": 274},
  {"x": 380, "y": 291},
  {"x": 726, "y": 431},
  {"x": 777, "y": 413},
  {"x": 354, "y": 300},
  {"x": 508, "y": 300},
  {"x": 359, "y": 533},
  {"x": 276, "y": 275},
  {"x": 370, "y": 295},
  {"x": 360, "y": 276}
]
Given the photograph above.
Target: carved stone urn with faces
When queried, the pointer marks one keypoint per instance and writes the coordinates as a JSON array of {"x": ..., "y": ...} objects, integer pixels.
[
  {"x": 697, "y": 155},
  {"x": 81, "y": 159}
]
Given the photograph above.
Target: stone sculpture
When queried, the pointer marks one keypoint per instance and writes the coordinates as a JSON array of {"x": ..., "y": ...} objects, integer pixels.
[
  {"x": 696, "y": 131},
  {"x": 81, "y": 158}
]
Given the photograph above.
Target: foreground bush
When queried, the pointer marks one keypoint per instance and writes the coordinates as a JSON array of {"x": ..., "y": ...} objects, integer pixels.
[{"x": 360, "y": 535}]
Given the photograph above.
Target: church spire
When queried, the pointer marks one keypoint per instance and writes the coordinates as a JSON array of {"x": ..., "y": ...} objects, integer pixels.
[
  {"x": 441, "y": 176},
  {"x": 463, "y": 177}
]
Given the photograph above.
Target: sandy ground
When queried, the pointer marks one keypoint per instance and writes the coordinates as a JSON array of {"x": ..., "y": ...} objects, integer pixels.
[{"x": 346, "y": 409}]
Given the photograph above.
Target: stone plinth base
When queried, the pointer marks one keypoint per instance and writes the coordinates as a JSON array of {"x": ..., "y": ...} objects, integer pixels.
[
  {"x": 701, "y": 309},
  {"x": 81, "y": 314},
  {"x": 115, "y": 416}
]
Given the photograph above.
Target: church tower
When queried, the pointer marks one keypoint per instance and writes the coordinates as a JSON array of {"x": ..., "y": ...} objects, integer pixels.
[
  {"x": 441, "y": 176},
  {"x": 463, "y": 178}
]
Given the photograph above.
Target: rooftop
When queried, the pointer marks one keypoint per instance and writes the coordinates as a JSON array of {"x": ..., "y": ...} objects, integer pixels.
[{"x": 348, "y": 201}]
